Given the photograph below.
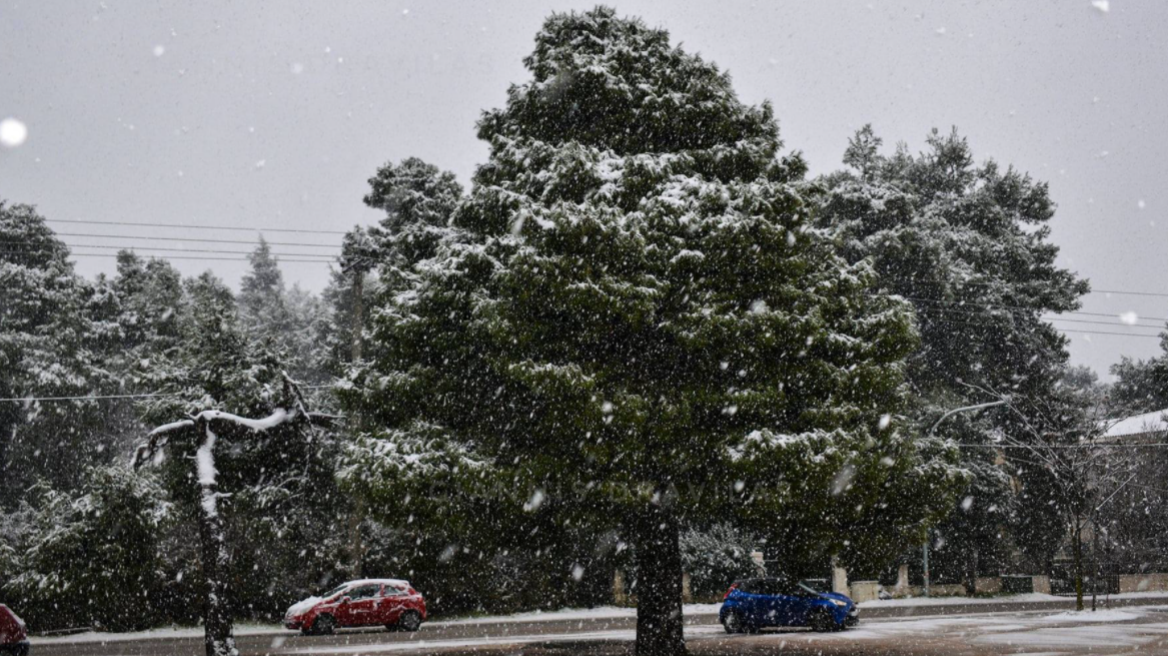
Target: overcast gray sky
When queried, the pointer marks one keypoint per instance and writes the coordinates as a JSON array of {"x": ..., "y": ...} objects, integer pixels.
[{"x": 273, "y": 114}]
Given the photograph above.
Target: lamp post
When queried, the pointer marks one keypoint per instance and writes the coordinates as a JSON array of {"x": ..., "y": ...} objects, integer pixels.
[{"x": 932, "y": 430}]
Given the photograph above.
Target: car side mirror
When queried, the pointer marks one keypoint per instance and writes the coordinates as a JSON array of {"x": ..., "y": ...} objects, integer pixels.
[{"x": 345, "y": 600}]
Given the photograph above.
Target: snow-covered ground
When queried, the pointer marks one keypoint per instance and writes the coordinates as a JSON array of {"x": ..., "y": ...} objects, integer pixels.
[
  {"x": 956, "y": 601},
  {"x": 690, "y": 610},
  {"x": 1031, "y": 633},
  {"x": 1067, "y": 632},
  {"x": 1143, "y": 628},
  {"x": 155, "y": 634}
]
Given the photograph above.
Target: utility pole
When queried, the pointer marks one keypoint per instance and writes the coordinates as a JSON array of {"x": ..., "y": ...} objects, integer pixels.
[
  {"x": 358, "y": 269},
  {"x": 358, "y": 311}
]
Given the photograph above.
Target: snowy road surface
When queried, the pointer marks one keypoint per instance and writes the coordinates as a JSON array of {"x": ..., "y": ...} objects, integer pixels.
[{"x": 1046, "y": 633}]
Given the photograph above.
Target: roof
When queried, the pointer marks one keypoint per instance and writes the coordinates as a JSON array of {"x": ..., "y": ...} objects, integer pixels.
[
  {"x": 397, "y": 582},
  {"x": 1149, "y": 422}
]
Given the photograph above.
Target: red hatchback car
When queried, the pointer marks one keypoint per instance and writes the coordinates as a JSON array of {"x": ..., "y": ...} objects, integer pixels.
[
  {"x": 369, "y": 602},
  {"x": 13, "y": 636}
]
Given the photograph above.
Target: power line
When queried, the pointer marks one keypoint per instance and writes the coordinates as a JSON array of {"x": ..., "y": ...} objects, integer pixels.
[
  {"x": 1092, "y": 332},
  {"x": 967, "y": 307},
  {"x": 974, "y": 283},
  {"x": 198, "y": 227},
  {"x": 194, "y": 257},
  {"x": 1104, "y": 323},
  {"x": 1068, "y": 330},
  {"x": 1060, "y": 319},
  {"x": 105, "y": 397},
  {"x": 198, "y": 239},
  {"x": 32, "y": 248},
  {"x": 1108, "y": 314},
  {"x": 1114, "y": 291}
]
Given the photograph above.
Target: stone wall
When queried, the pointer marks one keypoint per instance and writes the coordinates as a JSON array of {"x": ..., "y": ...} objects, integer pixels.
[{"x": 1143, "y": 583}]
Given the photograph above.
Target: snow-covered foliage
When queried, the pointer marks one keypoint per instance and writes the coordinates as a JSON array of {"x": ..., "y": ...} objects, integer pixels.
[
  {"x": 284, "y": 321},
  {"x": 968, "y": 246},
  {"x": 90, "y": 557},
  {"x": 1141, "y": 385},
  {"x": 633, "y": 287},
  {"x": 56, "y": 334},
  {"x": 716, "y": 557}
]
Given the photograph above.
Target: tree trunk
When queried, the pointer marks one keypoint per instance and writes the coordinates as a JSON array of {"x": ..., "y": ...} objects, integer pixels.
[
  {"x": 659, "y": 621},
  {"x": 217, "y": 626},
  {"x": 1095, "y": 559},
  {"x": 356, "y": 544},
  {"x": 1078, "y": 534},
  {"x": 971, "y": 567}
]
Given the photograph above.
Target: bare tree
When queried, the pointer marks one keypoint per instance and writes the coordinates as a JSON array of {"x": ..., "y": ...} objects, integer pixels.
[{"x": 1063, "y": 433}]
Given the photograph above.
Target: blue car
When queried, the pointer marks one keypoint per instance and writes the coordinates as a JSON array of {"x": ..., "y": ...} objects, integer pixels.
[{"x": 756, "y": 603}]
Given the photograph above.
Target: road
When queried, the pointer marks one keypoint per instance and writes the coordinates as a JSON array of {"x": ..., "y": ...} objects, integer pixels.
[{"x": 954, "y": 630}]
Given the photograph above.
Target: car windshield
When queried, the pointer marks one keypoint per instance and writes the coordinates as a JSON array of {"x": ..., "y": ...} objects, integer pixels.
[
  {"x": 808, "y": 589},
  {"x": 334, "y": 592}
]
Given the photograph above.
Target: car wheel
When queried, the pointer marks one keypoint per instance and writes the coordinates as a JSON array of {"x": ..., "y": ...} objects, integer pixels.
[
  {"x": 324, "y": 625},
  {"x": 733, "y": 623},
  {"x": 822, "y": 622},
  {"x": 410, "y": 621}
]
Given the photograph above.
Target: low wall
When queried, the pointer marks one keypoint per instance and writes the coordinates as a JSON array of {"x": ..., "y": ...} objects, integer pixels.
[
  {"x": 865, "y": 591},
  {"x": 1143, "y": 583},
  {"x": 1014, "y": 584},
  {"x": 1042, "y": 584},
  {"x": 988, "y": 584}
]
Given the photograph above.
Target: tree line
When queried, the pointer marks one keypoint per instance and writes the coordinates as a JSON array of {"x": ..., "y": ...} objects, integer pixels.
[{"x": 644, "y": 339}]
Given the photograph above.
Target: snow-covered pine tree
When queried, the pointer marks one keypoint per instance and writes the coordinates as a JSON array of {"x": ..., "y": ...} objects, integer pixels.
[
  {"x": 281, "y": 320},
  {"x": 637, "y": 320},
  {"x": 1141, "y": 385},
  {"x": 969, "y": 247},
  {"x": 52, "y": 339},
  {"x": 273, "y": 485},
  {"x": 90, "y": 557},
  {"x": 418, "y": 199},
  {"x": 261, "y": 294}
]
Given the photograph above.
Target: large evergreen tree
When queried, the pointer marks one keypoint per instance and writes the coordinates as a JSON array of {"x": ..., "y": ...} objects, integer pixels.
[
  {"x": 633, "y": 318},
  {"x": 52, "y": 344},
  {"x": 968, "y": 245}
]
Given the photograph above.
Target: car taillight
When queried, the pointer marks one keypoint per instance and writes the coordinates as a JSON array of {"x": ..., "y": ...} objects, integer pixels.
[{"x": 732, "y": 589}]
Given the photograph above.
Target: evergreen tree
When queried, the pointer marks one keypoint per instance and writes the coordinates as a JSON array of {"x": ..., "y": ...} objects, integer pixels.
[
  {"x": 418, "y": 200},
  {"x": 286, "y": 322},
  {"x": 634, "y": 319},
  {"x": 52, "y": 339},
  {"x": 969, "y": 247},
  {"x": 91, "y": 557},
  {"x": 1141, "y": 385}
]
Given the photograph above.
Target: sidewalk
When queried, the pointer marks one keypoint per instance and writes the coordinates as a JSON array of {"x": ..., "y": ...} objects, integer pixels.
[
  {"x": 611, "y": 617},
  {"x": 918, "y": 606}
]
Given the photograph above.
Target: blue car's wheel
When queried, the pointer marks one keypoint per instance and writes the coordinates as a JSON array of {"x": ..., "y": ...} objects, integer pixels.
[
  {"x": 733, "y": 623},
  {"x": 822, "y": 622}
]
